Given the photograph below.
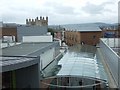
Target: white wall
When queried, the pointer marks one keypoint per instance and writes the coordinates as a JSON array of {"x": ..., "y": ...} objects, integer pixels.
[
  {"x": 47, "y": 57},
  {"x": 9, "y": 38},
  {"x": 38, "y": 38}
]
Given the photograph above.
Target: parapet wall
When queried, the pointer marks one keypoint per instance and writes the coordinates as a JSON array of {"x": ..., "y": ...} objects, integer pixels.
[{"x": 43, "y": 21}]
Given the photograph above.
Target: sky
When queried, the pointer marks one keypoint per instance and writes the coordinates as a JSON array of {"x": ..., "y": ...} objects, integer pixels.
[{"x": 59, "y": 11}]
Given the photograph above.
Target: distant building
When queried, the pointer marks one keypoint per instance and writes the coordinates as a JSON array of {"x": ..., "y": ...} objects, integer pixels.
[
  {"x": 39, "y": 22},
  {"x": 18, "y": 31},
  {"x": 58, "y": 32},
  {"x": 9, "y": 29},
  {"x": 25, "y": 30},
  {"x": 110, "y": 32},
  {"x": 82, "y": 34}
]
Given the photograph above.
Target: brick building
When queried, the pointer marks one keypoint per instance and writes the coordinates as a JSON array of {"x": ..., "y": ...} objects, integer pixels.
[
  {"x": 83, "y": 34},
  {"x": 8, "y": 30},
  {"x": 72, "y": 37}
]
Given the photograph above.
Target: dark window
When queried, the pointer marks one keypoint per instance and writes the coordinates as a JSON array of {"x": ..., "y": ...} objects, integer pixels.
[{"x": 94, "y": 37}]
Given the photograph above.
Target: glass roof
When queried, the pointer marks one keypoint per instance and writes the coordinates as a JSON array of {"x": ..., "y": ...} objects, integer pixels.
[{"x": 81, "y": 64}]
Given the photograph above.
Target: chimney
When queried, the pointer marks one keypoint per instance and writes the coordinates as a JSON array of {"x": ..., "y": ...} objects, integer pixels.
[
  {"x": 26, "y": 21},
  {"x": 43, "y": 18},
  {"x": 40, "y": 18},
  {"x": 47, "y": 18},
  {"x": 29, "y": 20},
  {"x": 32, "y": 20},
  {"x": 37, "y": 18}
]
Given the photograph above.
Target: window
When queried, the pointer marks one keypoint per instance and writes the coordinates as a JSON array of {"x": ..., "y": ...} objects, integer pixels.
[{"x": 94, "y": 37}]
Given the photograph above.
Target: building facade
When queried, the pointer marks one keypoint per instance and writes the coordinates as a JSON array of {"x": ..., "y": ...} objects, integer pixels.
[
  {"x": 82, "y": 34},
  {"x": 7, "y": 30},
  {"x": 90, "y": 38},
  {"x": 77, "y": 37},
  {"x": 18, "y": 31},
  {"x": 31, "y": 30},
  {"x": 72, "y": 37}
]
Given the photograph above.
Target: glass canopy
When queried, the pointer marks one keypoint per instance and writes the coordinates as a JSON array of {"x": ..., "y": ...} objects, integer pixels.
[{"x": 82, "y": 64}]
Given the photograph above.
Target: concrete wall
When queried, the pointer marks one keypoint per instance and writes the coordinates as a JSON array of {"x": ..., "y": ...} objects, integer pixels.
[
  {"x": 38, "y": 38},
  {"x": 47, "y": 57},
  {"x": 28, "y": 77},
  {"x": 30, "y": 31}
]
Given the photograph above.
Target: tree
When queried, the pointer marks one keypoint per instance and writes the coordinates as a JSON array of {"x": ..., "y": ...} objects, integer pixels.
[{"x": 51, "y": 31}]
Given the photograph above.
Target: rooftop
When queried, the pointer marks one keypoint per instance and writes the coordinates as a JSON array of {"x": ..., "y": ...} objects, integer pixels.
[
  {"x": 81, "y": 67},
  {"x": 25, "y": 49},
  {"x": 4, "y": 45},
  {"x": 16, "y": 62},
  {"x": 82, "y": 27}
]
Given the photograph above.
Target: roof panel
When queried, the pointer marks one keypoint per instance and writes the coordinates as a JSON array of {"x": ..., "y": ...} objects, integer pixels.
[{"x": 26, "y": 48}]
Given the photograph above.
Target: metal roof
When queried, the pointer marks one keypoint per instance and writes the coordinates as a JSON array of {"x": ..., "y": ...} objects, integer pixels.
[
  {"x": 82, "y": 64},
  {"x": 82, "y": 27},
  {"x": 9, "y": 63},
  {"x": 26, "y": 49},
  {"x": 9, "y": 25}
]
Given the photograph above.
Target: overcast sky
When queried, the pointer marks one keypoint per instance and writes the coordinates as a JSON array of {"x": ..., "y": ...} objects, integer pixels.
[{"x": 60, "y": 11}]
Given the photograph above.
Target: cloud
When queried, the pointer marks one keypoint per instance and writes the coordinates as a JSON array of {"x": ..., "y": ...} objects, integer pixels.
[
  {"x": 93, "y": 9},
  {"x": 59, "y": 11},
  {"x": 96, "y": 9},
  {"x": 59, "y": 8}
]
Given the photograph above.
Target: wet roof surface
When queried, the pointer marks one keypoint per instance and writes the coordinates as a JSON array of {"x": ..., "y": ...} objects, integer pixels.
[{"x": 78, "y": 63}]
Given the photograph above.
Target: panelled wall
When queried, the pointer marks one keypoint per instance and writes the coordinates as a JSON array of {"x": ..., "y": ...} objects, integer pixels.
[{"x": 112, "y": 60}]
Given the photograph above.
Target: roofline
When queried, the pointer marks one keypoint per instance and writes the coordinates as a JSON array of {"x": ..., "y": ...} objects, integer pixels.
[{"x": 21, "y": 64}]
